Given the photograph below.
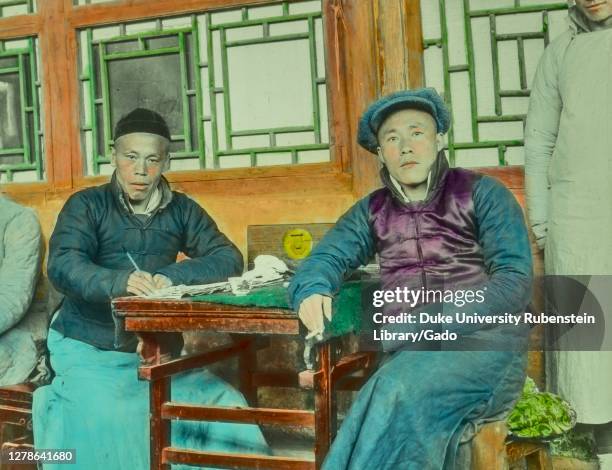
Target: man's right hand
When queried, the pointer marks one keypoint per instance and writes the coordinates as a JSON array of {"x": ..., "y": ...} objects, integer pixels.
[
  {"x": 141, "y": 283},
  {"x": 311, "y": 312}
]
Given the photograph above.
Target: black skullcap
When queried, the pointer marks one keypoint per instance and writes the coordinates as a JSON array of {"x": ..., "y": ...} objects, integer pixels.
[{"x": 142, "y": 120}]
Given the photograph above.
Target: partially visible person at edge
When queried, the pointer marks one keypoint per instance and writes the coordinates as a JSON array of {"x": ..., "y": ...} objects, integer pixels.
[
  {"x": 96, "y": 404},
  {"x": 568, "y": 142},
  {"x": 23, "y": 323},
  {"x": 437, "y": 228}
]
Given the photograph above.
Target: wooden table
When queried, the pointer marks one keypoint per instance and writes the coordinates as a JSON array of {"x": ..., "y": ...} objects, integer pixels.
[{"x": 158, "y": 324}]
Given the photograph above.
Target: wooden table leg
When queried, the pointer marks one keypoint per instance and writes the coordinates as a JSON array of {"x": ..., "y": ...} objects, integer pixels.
[
  {"x": 323, "y": 404},
  {"x": 153, "y": 352},
  {"x": 247, "y": 364},
  {"x": 159, "y": 393}
]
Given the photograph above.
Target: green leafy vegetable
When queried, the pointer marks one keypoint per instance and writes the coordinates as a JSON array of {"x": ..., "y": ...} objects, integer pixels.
[{"x": 540, "y": 414}]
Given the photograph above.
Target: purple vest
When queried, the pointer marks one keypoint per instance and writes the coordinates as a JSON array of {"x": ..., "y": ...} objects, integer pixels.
[{"x": 432, "y": 243}]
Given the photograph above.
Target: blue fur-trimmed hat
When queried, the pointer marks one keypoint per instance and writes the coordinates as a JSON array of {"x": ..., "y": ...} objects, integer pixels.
[
  {"x": 424, "y": 99},
  {"x": 142, "y": 120}
]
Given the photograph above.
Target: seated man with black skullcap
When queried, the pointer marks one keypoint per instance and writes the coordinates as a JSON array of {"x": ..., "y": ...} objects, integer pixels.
[
  {"x": 435, "y": 229},
  {"x": 96, "y": 404}
]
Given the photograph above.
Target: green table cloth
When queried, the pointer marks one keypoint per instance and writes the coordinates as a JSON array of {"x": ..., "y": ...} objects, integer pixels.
[{"x": 347, "y": 305}]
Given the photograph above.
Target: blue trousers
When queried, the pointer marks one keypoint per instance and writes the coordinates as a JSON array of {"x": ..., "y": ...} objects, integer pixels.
[{"x": 97, "y": 406}]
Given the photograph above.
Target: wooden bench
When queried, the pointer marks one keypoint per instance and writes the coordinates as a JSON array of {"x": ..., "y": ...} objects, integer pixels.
[
  {"x": 16, "y": 400},
  {"x": 16, "y": 421}
]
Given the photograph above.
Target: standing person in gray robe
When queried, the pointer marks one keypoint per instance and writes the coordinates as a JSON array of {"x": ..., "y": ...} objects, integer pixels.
[
  {"x": 21, "y": 323},
  {"x": 568, "y": 154}
]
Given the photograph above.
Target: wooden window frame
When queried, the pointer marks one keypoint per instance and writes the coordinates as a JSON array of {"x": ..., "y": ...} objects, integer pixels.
[{"x": 57, "y": 23}]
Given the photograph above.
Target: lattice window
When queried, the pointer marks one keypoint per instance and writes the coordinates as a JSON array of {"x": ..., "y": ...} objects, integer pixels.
[
  {"x": 21, "y": 143},
  {"x": 482, "y": 54},
  {"x": 240, "y": 88},
  {"x": 16, "y": 7}
]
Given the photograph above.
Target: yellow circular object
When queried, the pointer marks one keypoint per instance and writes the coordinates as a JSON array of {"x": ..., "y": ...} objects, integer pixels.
[{"x": 297, "y": 243}]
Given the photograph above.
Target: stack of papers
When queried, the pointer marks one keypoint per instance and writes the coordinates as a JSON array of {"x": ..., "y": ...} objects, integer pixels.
[
  {"x": 268, "y": 270},
  {"x": 177, "y": 292}
]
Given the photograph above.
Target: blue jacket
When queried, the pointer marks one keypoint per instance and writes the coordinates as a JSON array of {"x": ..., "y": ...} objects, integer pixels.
[
  {"x": 469, "y": 232},
  {"x": 88, "y": 261}
]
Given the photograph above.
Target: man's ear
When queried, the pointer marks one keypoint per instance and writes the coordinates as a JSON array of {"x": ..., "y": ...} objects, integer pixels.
[
  {"x": 166, "y": 166},
  {"x": 381, "y": 159},
  {"x": 439, "y": 141},
  {"x": 113, "y": 161}
]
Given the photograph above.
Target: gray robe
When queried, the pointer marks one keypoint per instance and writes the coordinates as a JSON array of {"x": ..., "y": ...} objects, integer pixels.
[
  {"x": 22, "y": 322},
  {"x": 568, "y": 169}
]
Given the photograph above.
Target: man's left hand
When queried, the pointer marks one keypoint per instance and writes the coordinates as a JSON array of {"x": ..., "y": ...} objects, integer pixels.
[
  {"x": 161, "y": 281},
  {"x": 311, "y": 312}
]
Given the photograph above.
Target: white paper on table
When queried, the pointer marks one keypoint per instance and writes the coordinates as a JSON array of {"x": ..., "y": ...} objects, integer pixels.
[{"x": 177, "y": 292}]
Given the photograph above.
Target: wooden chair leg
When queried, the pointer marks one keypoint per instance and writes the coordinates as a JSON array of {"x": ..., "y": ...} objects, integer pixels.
[
  {"x": 489, "y": 448},
  {"x": 22, "y": 444},
  {"x": 539, "y": 460},
  {"x": 323, "y": 404},
  {"x": 3, "y": 433}
]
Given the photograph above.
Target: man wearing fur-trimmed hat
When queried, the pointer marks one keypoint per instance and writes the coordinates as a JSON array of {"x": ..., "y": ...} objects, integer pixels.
[
  {"x": 113, "y": 240},
  {"x": 433, "y": 228}
]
